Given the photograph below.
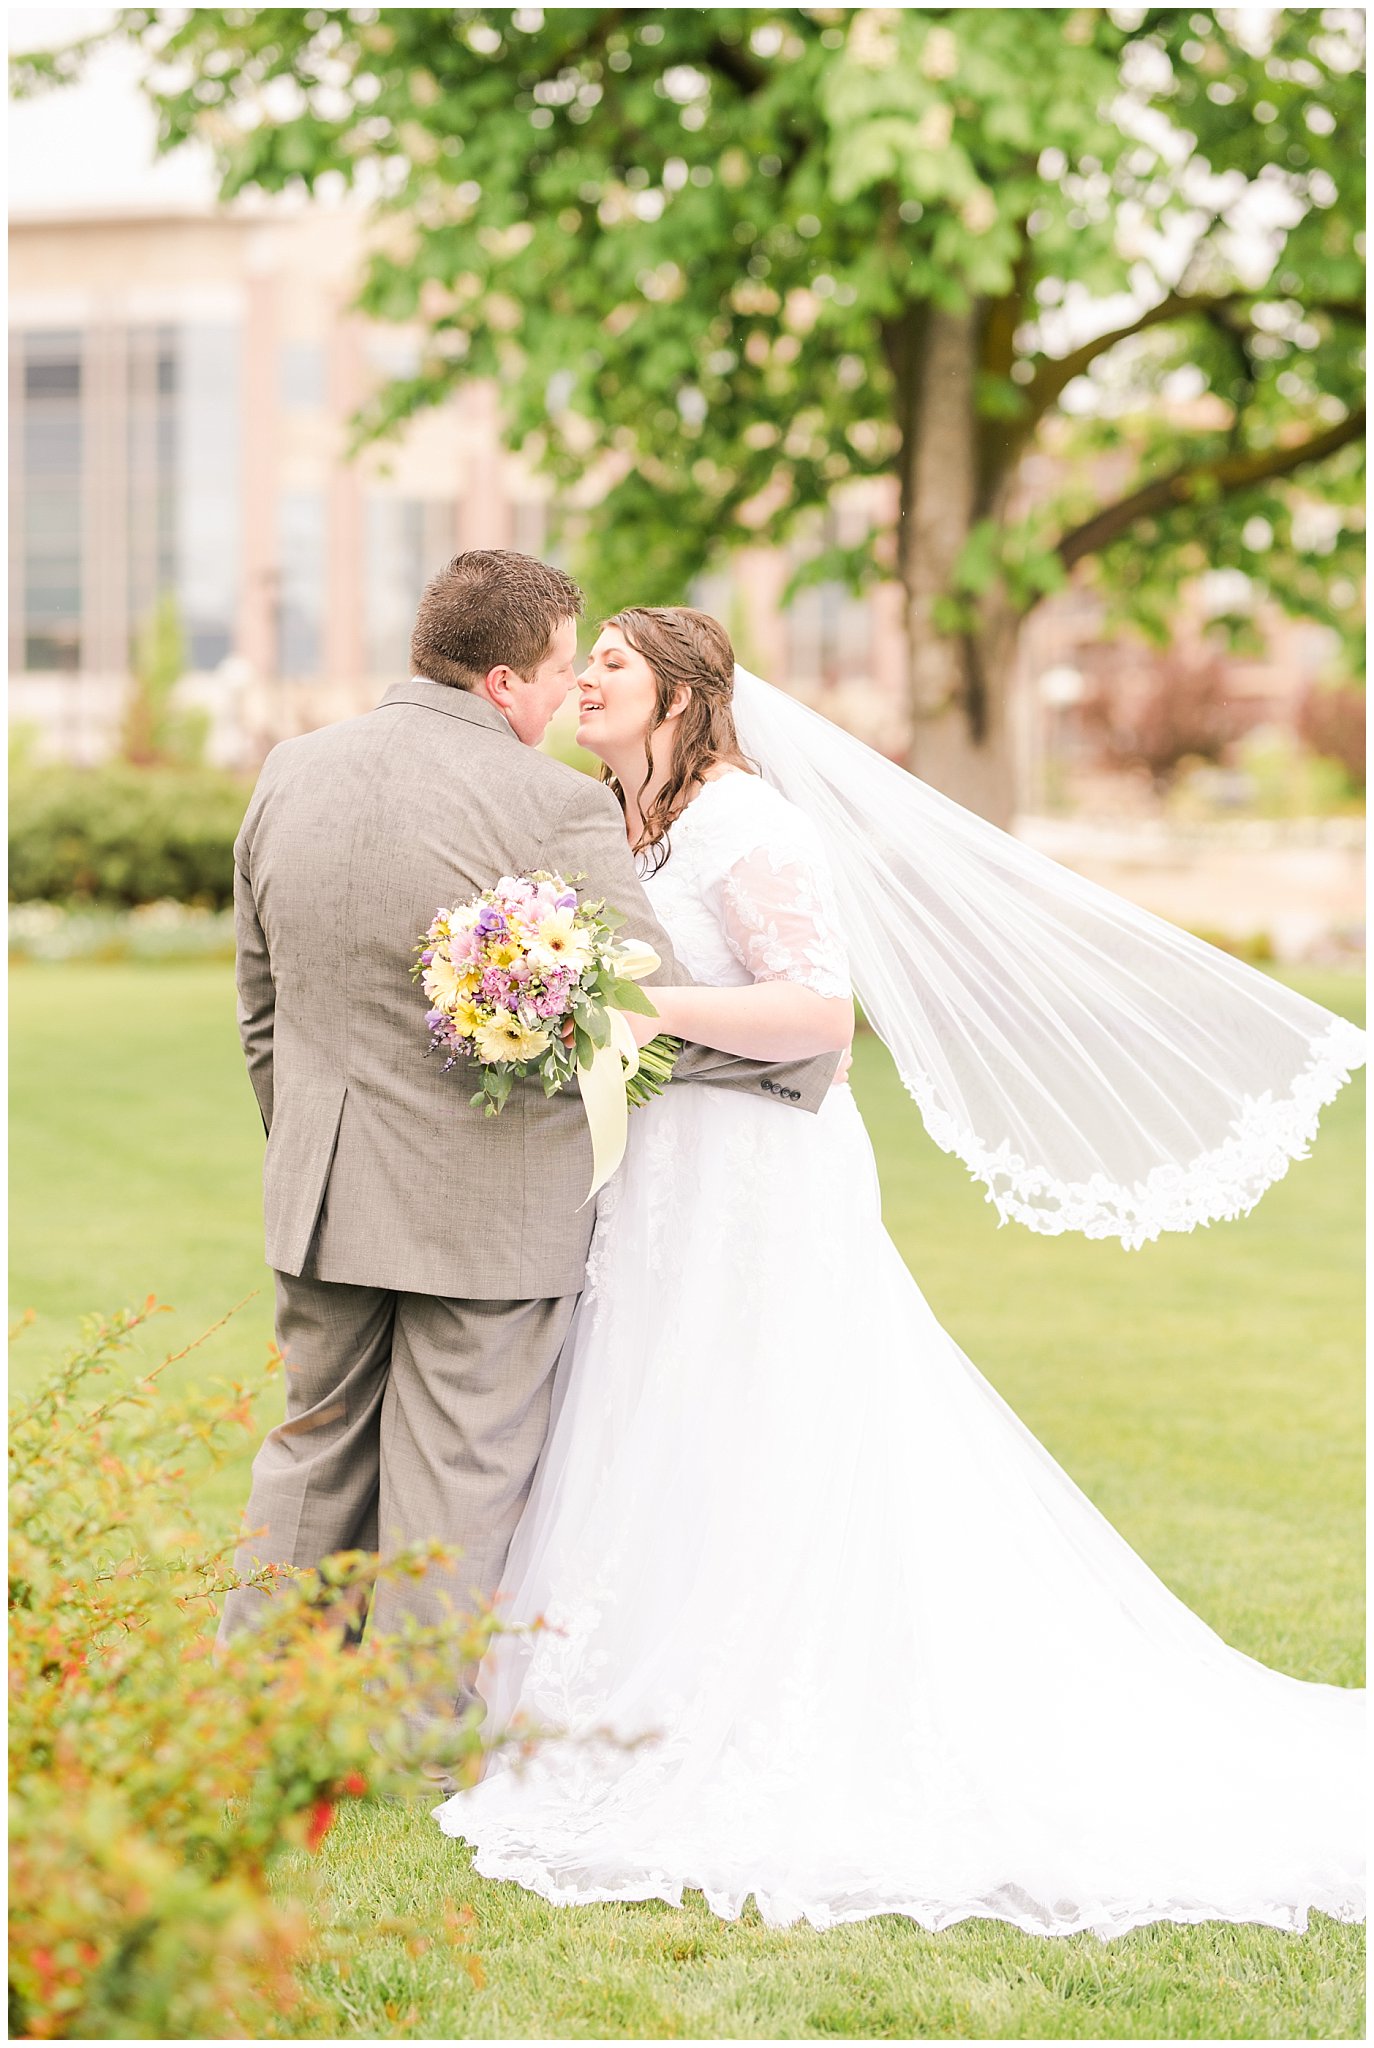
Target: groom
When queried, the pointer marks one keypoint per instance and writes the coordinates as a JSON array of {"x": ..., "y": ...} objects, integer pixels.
[{"x": 427, "y": 1258}]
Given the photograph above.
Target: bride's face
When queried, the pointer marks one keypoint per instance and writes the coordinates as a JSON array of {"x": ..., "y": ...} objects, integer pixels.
[{"x": 617, "y": 698}]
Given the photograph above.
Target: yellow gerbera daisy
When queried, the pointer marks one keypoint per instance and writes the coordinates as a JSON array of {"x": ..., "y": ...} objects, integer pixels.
[
  {"x": 560, "y": 943},
  {"x": 506, "y": 1038},
  {"x": 467, "y": 1018},
  {"x": 444, "y": 983}
]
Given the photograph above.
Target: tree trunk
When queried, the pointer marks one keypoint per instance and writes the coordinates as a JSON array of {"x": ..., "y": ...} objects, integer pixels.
[{"x": 961, "y": 740}]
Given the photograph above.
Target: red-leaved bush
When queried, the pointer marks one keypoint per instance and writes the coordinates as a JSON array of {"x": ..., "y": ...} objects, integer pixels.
[
  {"x": 1176, "y": 706},
  {"x": 1331, "y": 719},
  {"x": 157, "y": 1792}
]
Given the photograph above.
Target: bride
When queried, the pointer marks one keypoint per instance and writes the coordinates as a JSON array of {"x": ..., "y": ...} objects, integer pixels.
[{"x": 826, "y": 1624}]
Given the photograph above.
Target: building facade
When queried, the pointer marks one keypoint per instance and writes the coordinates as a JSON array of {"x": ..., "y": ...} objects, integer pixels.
[{"x": 182, "y": 386}]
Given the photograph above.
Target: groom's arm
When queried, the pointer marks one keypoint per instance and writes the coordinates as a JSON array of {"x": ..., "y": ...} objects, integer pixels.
[
  {"x": 253, "y": 975},
  {"x": 589, "y": 839}
]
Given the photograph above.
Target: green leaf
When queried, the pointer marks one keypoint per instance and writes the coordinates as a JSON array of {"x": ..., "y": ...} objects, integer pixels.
[
  {"x": 584, "y": 1046},
  {"x": 628, "y": 995},
  {"x": 595, "y": 1024}
]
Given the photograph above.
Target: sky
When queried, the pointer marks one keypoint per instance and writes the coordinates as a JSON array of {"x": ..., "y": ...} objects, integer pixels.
[{"x": 92, "y": 146}]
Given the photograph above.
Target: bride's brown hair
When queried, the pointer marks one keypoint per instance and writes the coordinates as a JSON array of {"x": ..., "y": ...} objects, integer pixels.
[{"x": 684, "y": 649}]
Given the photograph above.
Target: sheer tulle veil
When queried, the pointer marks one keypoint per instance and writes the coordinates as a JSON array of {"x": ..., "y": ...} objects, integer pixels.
[{"x": 1096, "y": 1068}]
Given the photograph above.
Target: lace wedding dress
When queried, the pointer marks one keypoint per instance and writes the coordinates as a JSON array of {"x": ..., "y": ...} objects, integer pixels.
[{"x": 872, "y": 1650}]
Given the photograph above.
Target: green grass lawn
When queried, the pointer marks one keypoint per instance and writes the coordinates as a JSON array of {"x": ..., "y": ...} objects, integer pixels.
[{"x": 1205, "y": 1391}]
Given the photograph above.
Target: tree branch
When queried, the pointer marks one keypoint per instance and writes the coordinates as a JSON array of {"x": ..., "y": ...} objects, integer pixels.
[
  {"x": 902, "y": 341},
  {"x": 1052, "y": 376},
  {"x": 734, "y": 62},
  {"x": 591, "y": 42},
  {"x": 1228, "y": 473},
  {"x": 1000, "y": 441},
  {"x": 1237, "y": 342}
]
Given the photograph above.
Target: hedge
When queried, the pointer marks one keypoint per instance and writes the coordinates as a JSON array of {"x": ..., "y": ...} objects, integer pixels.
[{"x": 122, "y": 836}]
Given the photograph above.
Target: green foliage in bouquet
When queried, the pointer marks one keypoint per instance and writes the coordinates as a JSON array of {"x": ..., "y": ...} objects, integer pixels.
[
  {"x": 591, "y": 1027},
  {"x": 121, "y": 835},
  {"x": 162, "y": 1800}
]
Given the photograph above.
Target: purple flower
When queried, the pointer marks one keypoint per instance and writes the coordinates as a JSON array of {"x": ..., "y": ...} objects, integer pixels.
[
  {"x": 490, "y": 921},
  {"x": 427, "y": 956},
  {"x": 436, "y": 1020},
  {"x": 567, "y": 901}
]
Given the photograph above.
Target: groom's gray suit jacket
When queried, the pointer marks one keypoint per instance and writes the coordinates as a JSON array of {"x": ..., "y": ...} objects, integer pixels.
[
  {"x": 379, "y": 1172},
  {"x": 428, "y": 1258}
]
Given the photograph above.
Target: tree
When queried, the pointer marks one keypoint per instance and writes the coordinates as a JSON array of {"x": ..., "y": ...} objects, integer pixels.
[
  {"x": 154, "y": 731},
  {"x": 734, "y": 259}
]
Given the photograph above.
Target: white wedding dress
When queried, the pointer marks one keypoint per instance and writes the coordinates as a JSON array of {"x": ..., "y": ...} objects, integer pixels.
[{"x": 873, "y": 1650}]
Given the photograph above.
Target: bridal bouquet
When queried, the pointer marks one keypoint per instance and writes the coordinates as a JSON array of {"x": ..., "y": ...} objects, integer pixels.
[{"x": 505, "y": 972}]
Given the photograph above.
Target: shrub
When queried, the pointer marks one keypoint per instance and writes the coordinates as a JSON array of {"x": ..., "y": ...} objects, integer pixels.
[
  {"x": 120, "y": 836},
  {"x": 1181, "y": 709},
  {"x": 1286, "y": 781},
  {"x": 1256, "y": 947},
  {"x": 156, "y": 1791},
  {"x": 152, "y": 931},
  {"x": 1331, "y": 718},
  {"x": 154, "y": 730}
]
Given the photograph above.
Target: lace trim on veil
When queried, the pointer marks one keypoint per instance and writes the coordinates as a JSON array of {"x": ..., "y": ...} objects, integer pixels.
[{"x": 1216, "y": 1187}]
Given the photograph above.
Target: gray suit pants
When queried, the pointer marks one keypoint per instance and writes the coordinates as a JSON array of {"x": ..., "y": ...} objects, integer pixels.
[{"x": 408, "y": 1417}]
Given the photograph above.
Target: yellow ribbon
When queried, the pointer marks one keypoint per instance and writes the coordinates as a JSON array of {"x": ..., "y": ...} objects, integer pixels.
[{"x": 603, "y": 1082}]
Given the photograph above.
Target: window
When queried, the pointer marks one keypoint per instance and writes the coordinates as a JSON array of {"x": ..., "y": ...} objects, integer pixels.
[
  {"x": 301, "y": 578},
  {"x": 392, "y": 354},
  {"x": 152, "y": 469},
  {"x": 713, "y": 591},
  {"x": 829, "y": 629},
  {"x": 50, "y": 458},
  {"x": 530, "y": 526},
  {"x": 408, "y": 540},
  {"x": 135, "y": 487},
  {"x": 208, "y": 516},
  {"x": 183, "y": 464},
  {"x": 304, "y": 376}
]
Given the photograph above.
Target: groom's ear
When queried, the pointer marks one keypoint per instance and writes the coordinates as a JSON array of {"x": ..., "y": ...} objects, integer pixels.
[{"x": 497, "y": 685}]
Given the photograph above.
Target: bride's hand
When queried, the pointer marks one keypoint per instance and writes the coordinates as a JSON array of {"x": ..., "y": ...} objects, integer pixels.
[{"x": 642, "y": 1029}]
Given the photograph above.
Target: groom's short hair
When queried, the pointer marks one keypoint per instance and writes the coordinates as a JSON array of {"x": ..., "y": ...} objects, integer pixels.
[{"x": 489, "y": 608}]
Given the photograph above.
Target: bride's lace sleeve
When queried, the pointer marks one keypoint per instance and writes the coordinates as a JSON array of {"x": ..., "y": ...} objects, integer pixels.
[{"x": 778, "y": 912}]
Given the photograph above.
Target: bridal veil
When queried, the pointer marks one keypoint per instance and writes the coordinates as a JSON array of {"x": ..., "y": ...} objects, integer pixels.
[{"x": 1096, "y": 1068}]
